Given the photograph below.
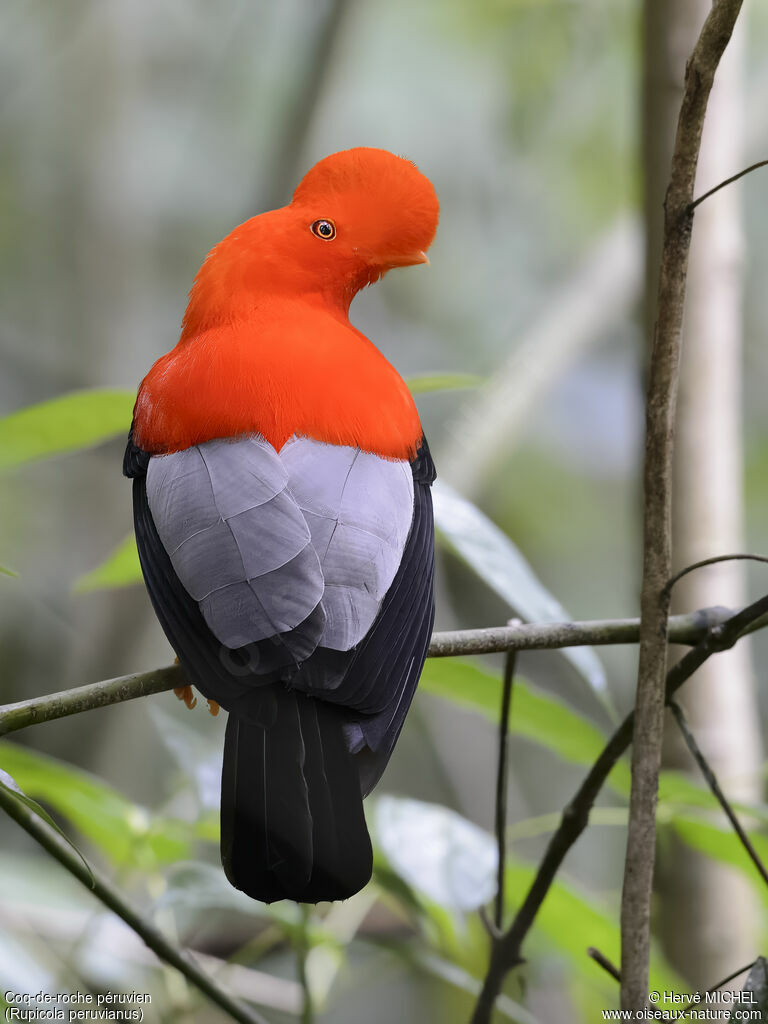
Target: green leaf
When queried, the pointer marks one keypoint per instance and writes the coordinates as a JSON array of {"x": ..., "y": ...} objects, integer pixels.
[
  {"x": 443, "y": 382},
  {"x": 535, "y": 715},
  {"x": 722, "y": 844},
  {"x": 478, "y": 542},
  {"x": 120, "y": 569},
  {"x": 5, "y": 571},
  {"x": 678, "y": 790},
  {"x": 754, "y": 993},
  {"x": 10, "y": 786},
  {"x": 125, "y": 832},
  {"x": 68, "y": 423}
]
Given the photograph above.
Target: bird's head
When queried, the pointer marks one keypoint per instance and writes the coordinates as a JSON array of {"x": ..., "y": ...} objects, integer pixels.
[
  {"x": 364, "y": 211},
  {"x": 354, "y": 216}
]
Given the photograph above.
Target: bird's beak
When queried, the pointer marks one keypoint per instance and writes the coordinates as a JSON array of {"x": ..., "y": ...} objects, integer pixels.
[{"x": 410, "y": 259}]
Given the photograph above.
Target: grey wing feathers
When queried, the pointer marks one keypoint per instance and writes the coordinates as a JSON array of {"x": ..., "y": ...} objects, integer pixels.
[
  {"x": 259, "y": 540},
  {"x": 359, "y": 509},
  {"x": 236, "y": 538}
]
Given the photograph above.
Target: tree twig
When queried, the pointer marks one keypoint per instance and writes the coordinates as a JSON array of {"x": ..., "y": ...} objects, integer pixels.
[
  {"x": 683, "y": 629},
  {"x": 500, "y": 822},
  {"x": 104, "y": 891},
  {"x": 506, "y": 951},
  {"x": 657, "y": 548},
  {"x": 728, "y": 181},
  {"x": 714, "y": 785},
  {"x": 604, "y": 962},
  {"x": 730, "y": 977},
  {"x": 714, "y": 560}
]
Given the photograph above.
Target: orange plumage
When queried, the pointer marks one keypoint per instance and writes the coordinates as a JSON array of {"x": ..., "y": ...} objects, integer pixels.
[{"x": 266, "y": 344}]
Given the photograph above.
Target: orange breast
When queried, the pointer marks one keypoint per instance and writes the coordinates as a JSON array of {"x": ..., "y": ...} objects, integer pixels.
[{"x": 293, "y": 369}]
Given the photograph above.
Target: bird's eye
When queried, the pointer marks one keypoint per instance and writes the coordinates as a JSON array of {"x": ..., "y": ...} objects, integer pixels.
[{"x": 324, "y": 229}]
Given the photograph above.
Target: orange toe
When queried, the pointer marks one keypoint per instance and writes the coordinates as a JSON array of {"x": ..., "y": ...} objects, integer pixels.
[
  {"x": 213, "y": 707},
  {"x": 185, "y": 693}
]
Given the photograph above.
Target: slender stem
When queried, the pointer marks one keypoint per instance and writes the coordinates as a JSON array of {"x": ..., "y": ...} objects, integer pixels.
[
  {"x": 720, "y": 984},
  {"x": 728, "y": 181},
  {"x": 604, "y": 962},
  {"x": 712, "y": 561},
  {"x": 104, "y": 891},
  {"x": 714, "y": 785},
  {"x": 657, "y": 506},
  {"x": 501, "y": 785},
  {"x": 730, "y": 977},
  {"x": 683, "y": 629}
]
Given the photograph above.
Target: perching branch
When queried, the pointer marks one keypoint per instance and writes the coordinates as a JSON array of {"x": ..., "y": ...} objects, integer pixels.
[
  {"x": 683, "y": 629},
  {"x": 506, "y": 951},
  {"x": 103, "y": 890},
  {"x": 657, "y": 529}
]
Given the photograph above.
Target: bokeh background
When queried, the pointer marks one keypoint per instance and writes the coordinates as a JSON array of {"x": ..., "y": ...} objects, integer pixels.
[{"x": 134, "y": 135}]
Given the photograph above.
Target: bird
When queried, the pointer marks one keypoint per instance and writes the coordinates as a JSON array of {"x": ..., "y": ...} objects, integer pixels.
[{"x": 283, "y": 518}]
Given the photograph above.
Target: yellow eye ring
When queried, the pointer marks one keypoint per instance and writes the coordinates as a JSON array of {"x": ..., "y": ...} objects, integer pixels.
[{"x": 324, "y": 229}]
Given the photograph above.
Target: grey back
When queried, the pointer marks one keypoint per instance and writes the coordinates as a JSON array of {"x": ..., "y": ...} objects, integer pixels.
[{"x": 260, "y": 539}]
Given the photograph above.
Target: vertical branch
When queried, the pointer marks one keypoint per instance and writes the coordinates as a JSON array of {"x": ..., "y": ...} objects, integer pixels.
[
  {"x": 501, "y": 784},
  {"x": 708, "y": 492},
  {"x": 657, "y": 479}
]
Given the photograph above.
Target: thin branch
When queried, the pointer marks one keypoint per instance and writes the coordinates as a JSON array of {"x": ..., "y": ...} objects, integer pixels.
[
  {"x": 717, "y": 792},
  {"x": 500, "y": 823},
  {"x": 730, "y": 977},
  {"x": 711, "y": 561},
  {"x": 103, "y": 890},
  {"x": 657, "y": 479},
  {"x": 728, "y": 181},
  {"x": 720, "y": 984},
  {"x": 683, "y": 629},
  {"x": 506, "y": 952},
  {"x": 604, "y": 962}
]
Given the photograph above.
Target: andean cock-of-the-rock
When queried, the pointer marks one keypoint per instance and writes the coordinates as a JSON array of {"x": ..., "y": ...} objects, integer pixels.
[{"x": 281, "y": 487}]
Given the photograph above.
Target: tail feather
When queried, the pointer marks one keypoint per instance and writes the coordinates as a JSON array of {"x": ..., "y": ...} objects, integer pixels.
[
  {"x": 342, "y": 858},
  {"x": 292, "y": 823}
]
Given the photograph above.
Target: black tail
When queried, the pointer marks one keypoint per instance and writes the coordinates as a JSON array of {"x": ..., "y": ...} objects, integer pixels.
[{"x": 292, "y": 823}]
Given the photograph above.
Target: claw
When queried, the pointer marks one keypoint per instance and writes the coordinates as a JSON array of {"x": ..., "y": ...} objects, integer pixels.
[
  {"x": 213, "y": 707},
  {"x": 185, "y": 693}
]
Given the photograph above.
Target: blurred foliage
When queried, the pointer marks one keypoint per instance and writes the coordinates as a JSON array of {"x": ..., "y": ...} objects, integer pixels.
[
  {"x": 66, "y": 424},
  {"x": 134, "y": 136}
]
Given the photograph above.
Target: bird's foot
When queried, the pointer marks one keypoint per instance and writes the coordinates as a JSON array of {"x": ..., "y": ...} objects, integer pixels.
[{"x": 186, "y": 694}]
